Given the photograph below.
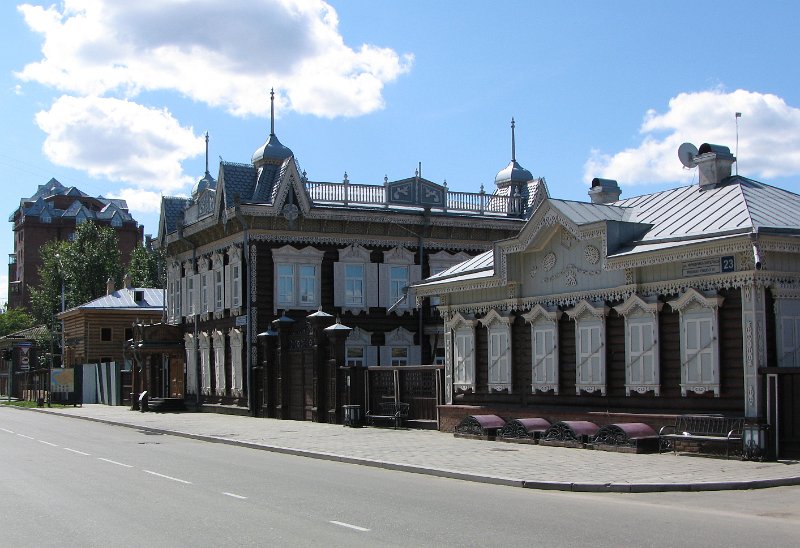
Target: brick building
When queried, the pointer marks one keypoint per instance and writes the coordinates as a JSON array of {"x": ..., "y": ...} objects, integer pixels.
[{"x": 52, "y": 213}]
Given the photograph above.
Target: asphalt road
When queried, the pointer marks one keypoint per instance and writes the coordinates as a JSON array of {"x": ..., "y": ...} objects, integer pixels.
[{"x": 66, "y": 482}]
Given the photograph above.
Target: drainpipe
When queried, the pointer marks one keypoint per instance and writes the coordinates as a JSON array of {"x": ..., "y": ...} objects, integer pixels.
[
  {"x": 249, "y": 362},
  {"x": 195, "y": 344}
]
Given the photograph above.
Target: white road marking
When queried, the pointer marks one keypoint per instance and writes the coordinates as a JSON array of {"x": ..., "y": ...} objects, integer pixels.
[
  {"x": 5, "y": 430},
  {"x": 24, "y": 436},
  {"x": 234, "y": 495},
  {"x": 350, "y": 526},
  {"x": 115, "y": 462},
  {"x": 76, "y": 451},
  {"x": 48, "y": 443},
  {"x": 167, "y": 477}
]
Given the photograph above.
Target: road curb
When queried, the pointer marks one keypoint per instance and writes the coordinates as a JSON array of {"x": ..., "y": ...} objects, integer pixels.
[{"x": 577, "y": 487}]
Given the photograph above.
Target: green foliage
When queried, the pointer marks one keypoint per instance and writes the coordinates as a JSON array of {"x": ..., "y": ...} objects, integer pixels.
[
  {"x": 83, "y": 265},
  {"x": 147, "y": 267},
  {"x": 14, "y": 319},
  {"x": 46, "y": 297}
]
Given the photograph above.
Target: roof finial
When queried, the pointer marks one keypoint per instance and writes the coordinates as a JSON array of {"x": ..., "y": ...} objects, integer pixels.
[
  {"x": 206, "y": 153},
  {"x": 272, "y": 111},
  {"x": 513, "y": 142}
]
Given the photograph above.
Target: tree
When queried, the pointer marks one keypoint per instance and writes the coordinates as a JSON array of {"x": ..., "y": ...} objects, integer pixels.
[
  {"x": 91, "y": 258},
  {"x": 147, "y": 267},
  {"x": 14, "y": 319},
  {"x": 83, "y": 265},
  {"x": 46, "y": 297}
]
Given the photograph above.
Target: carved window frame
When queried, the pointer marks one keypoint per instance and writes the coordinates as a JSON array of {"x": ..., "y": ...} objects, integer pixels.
[
  {"x": 590, "y": 346},
  {"x": 641, "y": 324},
  {"x": 499, "y": 357},
  {"x": 462, "y": 354},
  {"x": 699, "y": 311},
  {"x": 544, "y": 356},
  {"x": 298, "y": 260}
]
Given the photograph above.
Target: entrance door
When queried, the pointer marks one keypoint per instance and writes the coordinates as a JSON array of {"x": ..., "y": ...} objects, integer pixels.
[
  {"x": 176, "y": 378},
  {"x": 783, "y": 410}
]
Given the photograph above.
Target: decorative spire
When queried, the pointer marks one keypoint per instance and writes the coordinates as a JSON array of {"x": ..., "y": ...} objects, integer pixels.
[
  {"x": 513, "y": 142},
  {"x": 206, "y": 153},
  {"x": 272, "y": 111}
]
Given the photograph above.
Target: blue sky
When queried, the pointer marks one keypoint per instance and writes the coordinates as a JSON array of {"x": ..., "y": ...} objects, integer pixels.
[{"x": 115, "y": 97}]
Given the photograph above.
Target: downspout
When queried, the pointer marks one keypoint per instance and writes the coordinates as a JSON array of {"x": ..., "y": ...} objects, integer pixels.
[
  {"x": 425, "y": 224},
  {"x": 195, "y": 341},
  {"x": 249, "y": 362}
]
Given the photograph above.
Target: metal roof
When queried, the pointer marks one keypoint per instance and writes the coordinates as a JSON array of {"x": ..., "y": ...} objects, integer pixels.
[
  {"x": 123, "y": 299},
  {"x": 677, "y": 217}
]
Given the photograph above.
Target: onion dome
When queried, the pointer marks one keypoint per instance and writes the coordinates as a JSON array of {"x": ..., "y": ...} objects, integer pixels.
[
  {"x": 207, "y": 182},
  {"x": 513, "y": 173},
  {"x": 272, "y": 151}
]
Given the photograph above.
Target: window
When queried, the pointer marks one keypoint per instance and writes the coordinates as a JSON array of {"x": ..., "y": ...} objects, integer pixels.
[
  {"x": 128, "y": 333},
  {"x": 190, "y": 295},
  {"x": 355, "y": 356},
  {"x": 204, "y": 292},
  {"x": 544, "y": 347},
  {"x": 219, "y": 290},
  {"x": 641, "y": 344},
  {"x": 308, "y": 284},
  {"x": 297, "y": 277},
  {"x": 399, "y": 348},
  {"x": 354, "y": 285},
  {"x": 398, "y": 281},
  {"x": 399, "y": 355},
  {"x": 236, "y": 285},
  {"x": 462, "y": 333},
  {"x": 105, "y": 334},
  {"x": 397, "y": 272},
  {"x": 499, "y": 351},
  {"x": 286, "y": 284},
  {"x": 699, "y": 341},
  {"x": 788, "y": 316},
  {"x": 355, "y": 280},
  {"x": 590, "y": 351}
]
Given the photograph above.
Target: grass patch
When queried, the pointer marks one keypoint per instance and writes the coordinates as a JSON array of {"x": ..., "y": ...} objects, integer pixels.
[{"x": 20, "y": 403}]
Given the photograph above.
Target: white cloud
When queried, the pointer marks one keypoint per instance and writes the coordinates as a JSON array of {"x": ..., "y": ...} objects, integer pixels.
[
  {"x": 223, "y": 54},
  {"x": 139, "y": 200},
  {"x": 769, "y": 138},
  {"x": 120, "y": 140}
]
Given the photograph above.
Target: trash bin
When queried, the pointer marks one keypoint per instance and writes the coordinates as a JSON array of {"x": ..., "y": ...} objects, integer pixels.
[
  {"x": 143, "y": 401},
  {"x": 352, "y": 416}
]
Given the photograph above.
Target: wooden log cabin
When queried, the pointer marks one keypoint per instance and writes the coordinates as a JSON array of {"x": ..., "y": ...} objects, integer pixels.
[
  {"x": 638, "y": 309},
  {"x": 264, "y": 246}
]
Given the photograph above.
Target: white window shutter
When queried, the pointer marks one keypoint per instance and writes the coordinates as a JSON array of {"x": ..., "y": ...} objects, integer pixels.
[
  {"x": 197, "y": 304},
  {"x": 371, "y": 288},
  {"x": 386, "y": 355},
  {"x": 338, "y": 283},
  {"x": 372, "y": 356},
  {"x": 383, "y": 283},
  {"x": 227, "y": 286},
  {"x": 414, "y": 274},
  {"x": 184, "y": 312},
  {"x": 415, "y": 355}
]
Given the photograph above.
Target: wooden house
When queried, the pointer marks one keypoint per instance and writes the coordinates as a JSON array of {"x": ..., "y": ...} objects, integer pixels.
[
  {"x": 682, "y": 301},
  {"x": 265, "y": 243}
]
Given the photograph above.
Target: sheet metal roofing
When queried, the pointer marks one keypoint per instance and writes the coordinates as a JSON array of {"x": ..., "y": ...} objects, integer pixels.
[
  {"x": 124, "y": 299},
  {"x": 676, "y": 217}
]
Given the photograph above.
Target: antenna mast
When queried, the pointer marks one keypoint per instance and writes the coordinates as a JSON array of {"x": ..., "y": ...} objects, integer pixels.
[{"x": 738, "y": 115}]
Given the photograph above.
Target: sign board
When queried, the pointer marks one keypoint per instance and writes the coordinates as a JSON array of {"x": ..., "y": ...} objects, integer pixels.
[
  {"x": 62, "y": 381},
  {"x": 704, "y": 267},
  {"x": 241, "y": 320},
  {"x": 24, "y": 356}
]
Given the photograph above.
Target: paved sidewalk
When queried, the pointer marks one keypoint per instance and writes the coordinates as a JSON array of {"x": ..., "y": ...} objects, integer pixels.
[{"x": 439, "y": 454}]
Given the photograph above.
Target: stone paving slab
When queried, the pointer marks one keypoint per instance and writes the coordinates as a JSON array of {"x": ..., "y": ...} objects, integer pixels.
[{"x": 440, "y": 454}]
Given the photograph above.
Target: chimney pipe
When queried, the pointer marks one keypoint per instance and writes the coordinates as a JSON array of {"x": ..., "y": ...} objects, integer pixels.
[
  {"x": 110, "y": 286},
  {"x": 715, "y": 163},
  {"x": 604, "y": 191}
]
